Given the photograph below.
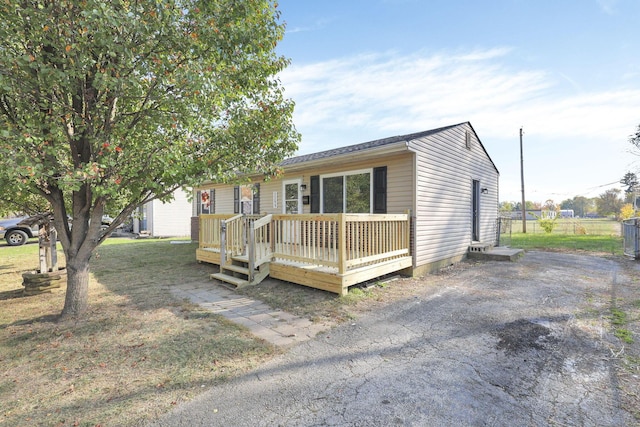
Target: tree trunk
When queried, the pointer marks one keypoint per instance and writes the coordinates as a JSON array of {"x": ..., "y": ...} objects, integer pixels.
[{"x": 77, "y": 296}]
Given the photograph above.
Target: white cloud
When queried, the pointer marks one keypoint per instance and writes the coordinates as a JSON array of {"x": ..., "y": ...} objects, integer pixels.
[
  {"x": 318, "y": 25},
  {"x": 608, "y": 6},
  {"x": 575, "y": 138},
  {"x": 389, "y": 94}
]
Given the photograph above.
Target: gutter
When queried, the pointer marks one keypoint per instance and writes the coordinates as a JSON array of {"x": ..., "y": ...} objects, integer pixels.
[{"x": 396, "y": 147}]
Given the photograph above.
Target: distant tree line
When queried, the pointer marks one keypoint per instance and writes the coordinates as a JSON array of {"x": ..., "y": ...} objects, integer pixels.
[
  {"x": 612, "y": 203},
  {"x": 608, "y": 204}
]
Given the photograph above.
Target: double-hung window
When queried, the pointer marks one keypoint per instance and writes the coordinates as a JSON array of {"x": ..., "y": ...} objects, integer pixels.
[
  {"x": 205, "y": 201},
  {"x": 246, "y": 199}
]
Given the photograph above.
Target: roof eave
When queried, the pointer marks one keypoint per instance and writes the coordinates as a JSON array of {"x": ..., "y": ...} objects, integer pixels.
[{"x": 369, "y": 153}]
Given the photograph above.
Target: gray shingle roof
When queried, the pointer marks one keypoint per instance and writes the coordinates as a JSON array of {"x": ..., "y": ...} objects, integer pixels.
[{"x": 362, "y": 146}]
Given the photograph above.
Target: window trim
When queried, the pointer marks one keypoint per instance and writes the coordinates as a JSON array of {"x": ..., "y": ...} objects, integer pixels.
[
  {"x": 255, "y": 201},
  {"x": 212, "y": 201},
  {"x": 297, "y": 181},
  {"x": 344, "y": 187}
]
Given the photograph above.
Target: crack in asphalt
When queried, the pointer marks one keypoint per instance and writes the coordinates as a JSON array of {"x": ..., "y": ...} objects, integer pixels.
[{"x": 436, "y": 359}]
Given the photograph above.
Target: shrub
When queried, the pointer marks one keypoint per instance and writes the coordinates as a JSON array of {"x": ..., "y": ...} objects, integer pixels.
[
  {"x": 627, "y": 211},
  {"x": 547, "y": 224}
]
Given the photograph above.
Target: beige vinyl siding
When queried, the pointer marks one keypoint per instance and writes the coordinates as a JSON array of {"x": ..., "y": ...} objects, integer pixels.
[
  {"x": 400, "y": 179},
  {"x": 399, "y": 184},
  {"x": 224, "y": 199},
  {"x": 445, "y": 173},
  {"x": 266, "y": 196}
]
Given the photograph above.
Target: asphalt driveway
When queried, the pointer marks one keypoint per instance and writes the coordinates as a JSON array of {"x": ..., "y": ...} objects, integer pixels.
[{"x": 487, "y": 344}]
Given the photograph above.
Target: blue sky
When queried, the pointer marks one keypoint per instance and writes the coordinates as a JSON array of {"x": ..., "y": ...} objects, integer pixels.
[{"x": 566, "y": 71}]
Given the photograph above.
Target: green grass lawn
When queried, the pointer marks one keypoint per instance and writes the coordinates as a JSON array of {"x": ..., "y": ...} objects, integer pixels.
[
  {"x": 569, "y": 226},
  {"x": 590, "y": 243},
  {"x": 570, "y": 234}
]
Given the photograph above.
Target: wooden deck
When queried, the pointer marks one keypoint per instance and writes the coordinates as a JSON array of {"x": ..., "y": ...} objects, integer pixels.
[{"x": 329, "y": 252}]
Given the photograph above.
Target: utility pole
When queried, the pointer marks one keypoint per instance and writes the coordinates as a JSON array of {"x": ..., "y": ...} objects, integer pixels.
[{"x": 524, "y": 208}]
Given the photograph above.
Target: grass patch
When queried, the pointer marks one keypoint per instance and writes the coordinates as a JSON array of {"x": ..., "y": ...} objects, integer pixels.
[
  {"x": 314, "y": 304},
  {"x": 135, "y": 355},
  {"x": 624, "y": 334},
  {"x": 588, "y": 243},
  {"x": 573, "y": 226},
  {"x": 619, "y": 321},
  {"x": 618, "y": 317}
]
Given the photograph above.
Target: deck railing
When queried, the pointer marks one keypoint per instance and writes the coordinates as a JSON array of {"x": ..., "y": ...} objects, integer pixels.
[
  {"x": 209, "y": 235},
  {"x": 233, "y": 238},
  {"x": 259, "y": 248},
  {"x": 341, "y": 241}
]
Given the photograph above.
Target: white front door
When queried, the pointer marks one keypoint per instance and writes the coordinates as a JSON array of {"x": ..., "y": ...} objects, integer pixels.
[
  {"x": 292, "y": 197},
  {"x": 291, "y": 204}
]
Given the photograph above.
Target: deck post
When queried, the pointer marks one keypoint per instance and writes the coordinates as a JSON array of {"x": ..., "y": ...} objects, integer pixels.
[
  {"x": 342, "y": 243},
  {"x": 223, "y": 242},
  {"x": 251, "y": 249},
  {"x": 408, "y": 231},
  {"x": 272, "y": 240}
]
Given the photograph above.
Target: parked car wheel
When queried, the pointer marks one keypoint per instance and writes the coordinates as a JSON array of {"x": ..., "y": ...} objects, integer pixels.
[{"x": 16, "y": 237}]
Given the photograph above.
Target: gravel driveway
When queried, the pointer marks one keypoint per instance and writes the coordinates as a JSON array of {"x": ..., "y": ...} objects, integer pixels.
[{"x": 480, "y": 344}]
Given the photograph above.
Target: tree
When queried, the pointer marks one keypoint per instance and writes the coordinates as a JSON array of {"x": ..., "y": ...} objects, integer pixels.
[
  {"x": 15, "y": 201},
  {"x": 635, "y": 139},
  {"x": 627, "y": 211},
  {"x": 550, "y": 205},
  {"x": 609, "y": 202},
  {"x": 580, "y": 205},
  {"x": 506, "y": 207},
  {"x": 630, "y": 180},
  {"x": 108, "y": 105}
]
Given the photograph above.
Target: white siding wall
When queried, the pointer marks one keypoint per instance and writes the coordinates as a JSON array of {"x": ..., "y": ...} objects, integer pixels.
[
  {"x": 172, "y": 218},
  {"x": 445, "y": 173}
]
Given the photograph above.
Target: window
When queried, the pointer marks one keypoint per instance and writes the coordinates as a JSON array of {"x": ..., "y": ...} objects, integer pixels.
[
  {"x": 205, "y": 201},
  {"x": 246, "y": 199},
  {"x": 292, "y": 202},
  {"x": 358, "y": 193},
  {"x": 332, "y": 194},
  {"x": 348, "y": 192},
  {"x": 467, "y": 139}
]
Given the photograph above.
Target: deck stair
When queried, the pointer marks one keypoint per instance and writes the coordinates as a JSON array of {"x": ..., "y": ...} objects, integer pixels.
[
  {"x": 237, "y": 272},
  {"x": 323, "y": 251}
]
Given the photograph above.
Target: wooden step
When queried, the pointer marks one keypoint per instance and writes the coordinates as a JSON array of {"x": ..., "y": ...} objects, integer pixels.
[
  {"x": 237, "y": 268},
  {"x": 241, "y": 258},
  {"x": 237, "y": 282}
]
